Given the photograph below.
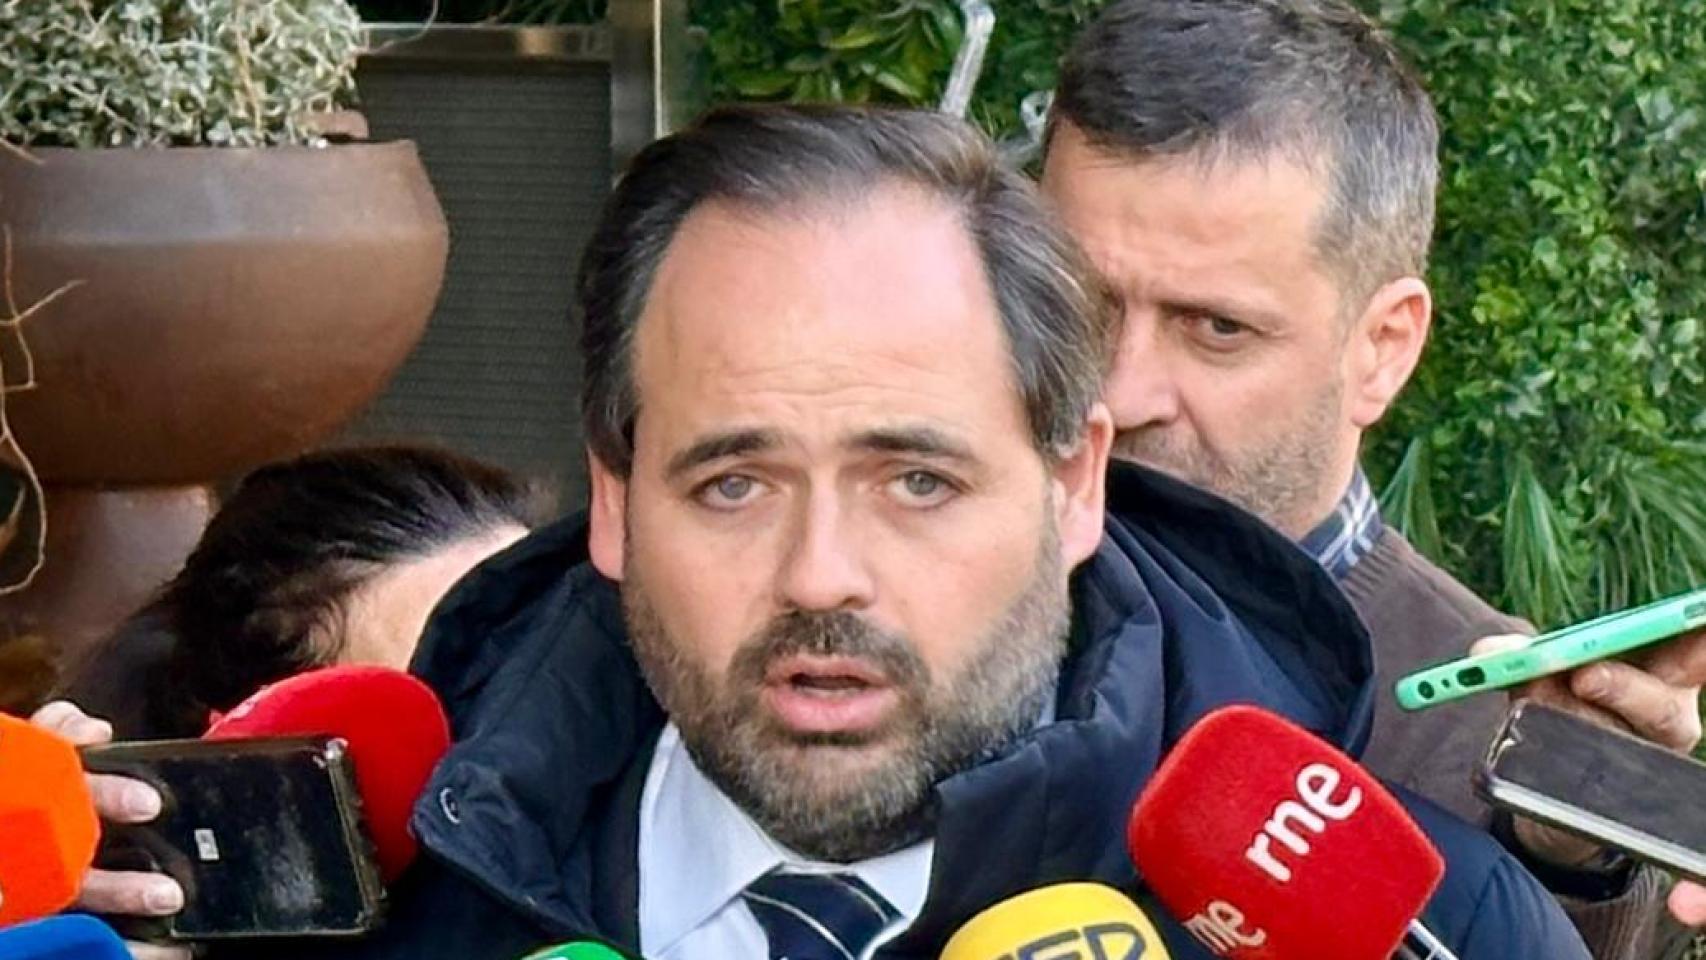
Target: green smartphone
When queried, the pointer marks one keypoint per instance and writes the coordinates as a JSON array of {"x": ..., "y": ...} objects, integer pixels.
[{"x": 1555, "y": 652}]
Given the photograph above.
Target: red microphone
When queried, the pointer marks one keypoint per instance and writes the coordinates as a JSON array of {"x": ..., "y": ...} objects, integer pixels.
[
  {"x": 1270, "y": 844},
  {"x": 393, "y": 724},
  {"x": 48, "y": 827}
]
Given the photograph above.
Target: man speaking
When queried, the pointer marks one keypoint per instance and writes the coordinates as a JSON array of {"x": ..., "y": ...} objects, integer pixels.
[{"x": 847, "y": 648}]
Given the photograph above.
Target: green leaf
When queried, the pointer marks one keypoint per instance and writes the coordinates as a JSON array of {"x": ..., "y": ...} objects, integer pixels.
[
  {"x": 948, "y": 26},
  {"x": 814, "y": 62},
  {"x": 762, "y": 84},
  {"x": 858, "y": 37},
  {"x": 892, "y": 81}
]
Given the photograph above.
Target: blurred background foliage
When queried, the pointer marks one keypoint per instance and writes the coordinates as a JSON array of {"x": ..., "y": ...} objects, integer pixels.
[{"x": 1552, "y": 449}]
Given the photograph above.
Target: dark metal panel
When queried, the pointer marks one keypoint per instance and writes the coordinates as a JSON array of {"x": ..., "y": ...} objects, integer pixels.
[{"x": 519, "y": 153}]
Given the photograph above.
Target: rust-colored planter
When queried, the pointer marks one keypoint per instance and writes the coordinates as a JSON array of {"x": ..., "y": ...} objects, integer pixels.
[{"x": 235, "y": 306}]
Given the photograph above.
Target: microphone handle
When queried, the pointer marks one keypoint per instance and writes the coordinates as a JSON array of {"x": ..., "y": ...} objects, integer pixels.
[{"x": 1421, "y": 944}]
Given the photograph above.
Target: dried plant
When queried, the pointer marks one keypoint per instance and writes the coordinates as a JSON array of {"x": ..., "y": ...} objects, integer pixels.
[{"x": 111, "y": 73}]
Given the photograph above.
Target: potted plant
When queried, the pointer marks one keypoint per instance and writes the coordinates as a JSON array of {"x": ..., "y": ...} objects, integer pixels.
[{"x": 244, "y": 282}]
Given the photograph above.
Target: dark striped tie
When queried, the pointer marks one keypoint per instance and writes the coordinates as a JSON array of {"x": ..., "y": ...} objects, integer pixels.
[{"x": 817, "y": 916}]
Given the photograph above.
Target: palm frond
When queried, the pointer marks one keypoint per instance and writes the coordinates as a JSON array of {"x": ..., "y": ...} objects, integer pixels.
[
  {"x": 1652, "y": 542},
  {"x": 1408, "y": 501},
  {"x": 1541, "y": 559}
]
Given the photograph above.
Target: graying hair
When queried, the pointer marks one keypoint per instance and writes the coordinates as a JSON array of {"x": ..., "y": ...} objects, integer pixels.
[
  {"x": 1314, "y": 81},
  {"x": 1056, "y": 319}
]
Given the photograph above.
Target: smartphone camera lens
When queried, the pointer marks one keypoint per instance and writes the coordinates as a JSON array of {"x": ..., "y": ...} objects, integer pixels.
[
  {"x": 1426, "y": 689},
  {"x": 1472, "y": 676}
]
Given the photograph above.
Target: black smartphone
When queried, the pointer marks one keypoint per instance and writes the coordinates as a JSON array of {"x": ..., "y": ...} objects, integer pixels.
[
  {"x": 265, "y": 836},
  {"x": 1605, "y": 785}
]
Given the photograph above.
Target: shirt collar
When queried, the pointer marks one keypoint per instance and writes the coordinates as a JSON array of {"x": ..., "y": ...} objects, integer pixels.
[
  {"x": 681, "y": 807},
  {"x": 1349, "y": 532}
]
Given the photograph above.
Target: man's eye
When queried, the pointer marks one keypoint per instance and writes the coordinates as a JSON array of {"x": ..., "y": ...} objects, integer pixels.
[
  {"x": 729, "y": 490},
  {"x": 1217, "y": 331},
  {"x": 924, "y": 487},
  {"x": 1222, "y": 327}
]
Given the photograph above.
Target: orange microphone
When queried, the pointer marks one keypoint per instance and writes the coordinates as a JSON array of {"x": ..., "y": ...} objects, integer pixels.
[{"x": 48, "y": 827}]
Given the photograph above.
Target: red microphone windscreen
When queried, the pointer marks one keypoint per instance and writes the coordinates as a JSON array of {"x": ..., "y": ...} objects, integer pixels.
[
  {"x": 48, "y": 827},
  {"x": 1270, "y": 844},
  {"x": 393, "y": 723}
]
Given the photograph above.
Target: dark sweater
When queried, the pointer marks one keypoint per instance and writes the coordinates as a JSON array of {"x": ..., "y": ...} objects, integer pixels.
[{"x": 1419, "y": 615}]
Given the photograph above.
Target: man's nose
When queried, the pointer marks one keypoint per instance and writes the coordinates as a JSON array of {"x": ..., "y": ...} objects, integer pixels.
[
  {"x": 1140, "y": 389},
  {"x": 824, "y": 568}
]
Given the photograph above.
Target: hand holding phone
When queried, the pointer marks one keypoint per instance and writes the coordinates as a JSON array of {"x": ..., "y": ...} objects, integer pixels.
[
  {"x": 265, "y": 837},
  {"x": 1599, "y": 784},
  {"x": 1555, "y": 652},
  {"x": 1655, "y": 696}
]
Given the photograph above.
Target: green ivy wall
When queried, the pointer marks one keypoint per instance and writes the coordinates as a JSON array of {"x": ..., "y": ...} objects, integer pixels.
[{"x": 1552, "y": 450}]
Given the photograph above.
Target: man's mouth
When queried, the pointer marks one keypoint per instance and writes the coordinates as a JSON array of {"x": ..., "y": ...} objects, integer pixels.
[{"x": 816, "y": 694}]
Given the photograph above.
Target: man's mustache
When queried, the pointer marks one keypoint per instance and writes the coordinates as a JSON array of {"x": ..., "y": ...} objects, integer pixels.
[{"x": 834, "y": 633}]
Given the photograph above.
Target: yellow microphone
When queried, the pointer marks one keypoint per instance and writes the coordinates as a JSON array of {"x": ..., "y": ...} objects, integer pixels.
[{"x": 1066, "y": 921}]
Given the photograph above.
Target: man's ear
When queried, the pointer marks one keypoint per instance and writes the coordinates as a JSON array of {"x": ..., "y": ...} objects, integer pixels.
[
  {"x": 1081, "y": 487},
  {"x": 1385, "y": 345},
  {"x": 607, "y": 517}
]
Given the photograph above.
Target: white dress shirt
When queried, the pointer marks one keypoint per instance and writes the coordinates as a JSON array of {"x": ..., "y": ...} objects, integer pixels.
[{"x": 698, "y": 851}]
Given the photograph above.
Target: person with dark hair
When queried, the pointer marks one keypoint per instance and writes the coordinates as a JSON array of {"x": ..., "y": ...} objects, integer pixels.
[
  {"x": 1255, "y": 180},
  {"x": 333, "y": 557},
  {"x": 858, "y": 636}
]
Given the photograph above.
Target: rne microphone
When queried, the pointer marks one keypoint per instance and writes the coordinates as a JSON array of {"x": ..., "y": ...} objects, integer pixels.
[
  {"x": 48, "y": 827},
  {"x": 70, "y": 937},
  {"x": 1065, "y": 921},
  {"x": 392, "y": 723},
  {"x": 1271, "y": 844}
]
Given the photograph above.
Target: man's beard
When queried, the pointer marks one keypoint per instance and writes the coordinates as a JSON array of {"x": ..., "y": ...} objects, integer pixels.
[
  {"x": 1280, "y": 480},
  {"x": 826, "y": 795}
]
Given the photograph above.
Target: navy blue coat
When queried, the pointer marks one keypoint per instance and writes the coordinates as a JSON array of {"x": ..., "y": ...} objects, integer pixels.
[{"x": 529, "y": 828}]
